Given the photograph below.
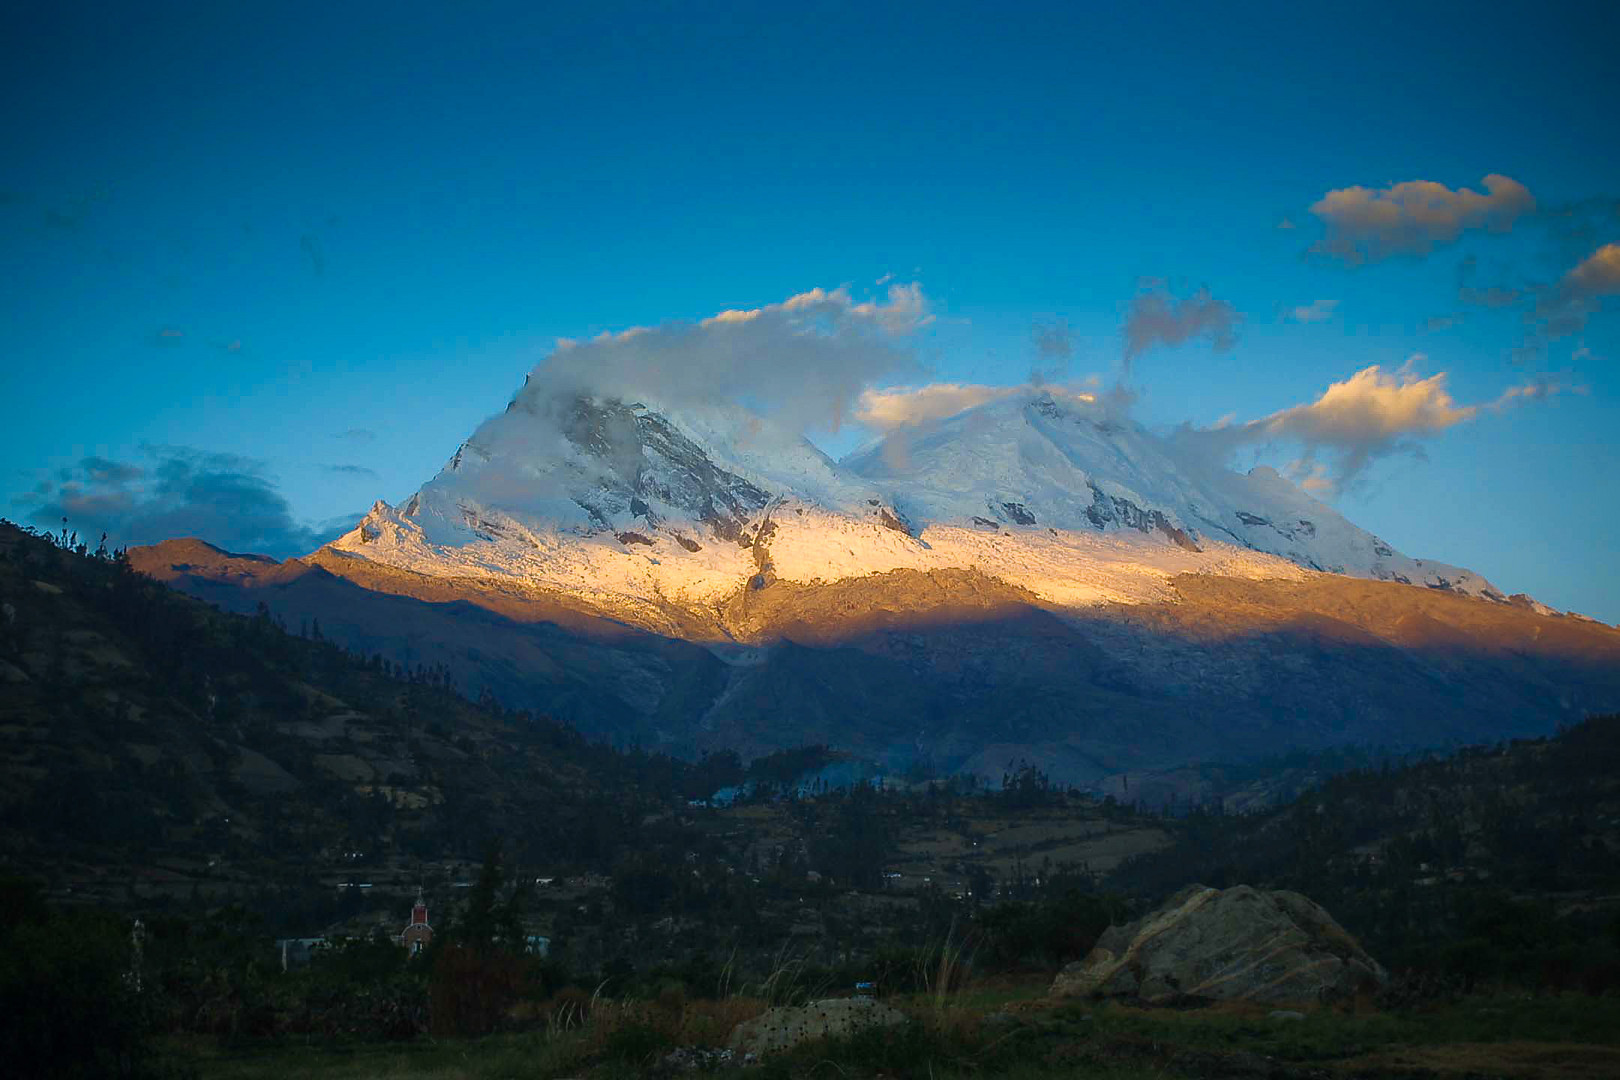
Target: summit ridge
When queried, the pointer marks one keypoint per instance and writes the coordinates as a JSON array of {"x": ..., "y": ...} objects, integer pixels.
[{"x": 633, "y": 507}]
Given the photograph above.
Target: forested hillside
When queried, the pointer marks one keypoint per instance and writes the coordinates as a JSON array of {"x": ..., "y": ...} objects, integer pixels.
[
  {"x": 152, "y": 747},
  {"x": 1496, "y": 860}
]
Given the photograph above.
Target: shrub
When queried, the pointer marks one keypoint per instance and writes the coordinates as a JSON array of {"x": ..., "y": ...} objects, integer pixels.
[
  {"x": 472, "y": 990},
  {"x": 67, "y": 1006},
  {"x": 636, "y": 1044}
]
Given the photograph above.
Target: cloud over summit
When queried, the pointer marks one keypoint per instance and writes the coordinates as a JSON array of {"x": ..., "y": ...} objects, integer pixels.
[
  {"x": 805, "y": 359},
  {"x": 907, "y": 406}
]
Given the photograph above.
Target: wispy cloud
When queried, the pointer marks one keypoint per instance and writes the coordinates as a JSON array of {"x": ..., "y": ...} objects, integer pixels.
[
  {"x": 1157, "y": 318},
  {"x": 357, "y": 434},
  {"x": 1054, "y": 348},
  {"x": 1315, "y": 311},
  {"x": 1495, "y": 296},
  {"x": 1537, "y": 388},
  {"x": 1414, "y": 217},
  {"x": 174, "y": 491},
  {"x": 352, "y": 470},
  {"x": 167, "y": 337},
  {"x": 315, "y": 252},
  {"x": 1565, "y": 307}
]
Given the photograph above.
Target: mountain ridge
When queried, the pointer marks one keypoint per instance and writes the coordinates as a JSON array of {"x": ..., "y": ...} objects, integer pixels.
[
  {"x": 640, "y": 512},
  {"x": 1038, "y": 577},
  {"x": 900, "y": 670}
]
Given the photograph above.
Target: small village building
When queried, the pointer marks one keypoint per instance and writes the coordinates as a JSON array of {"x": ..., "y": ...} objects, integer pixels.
[{"x": 417, "y": 932}]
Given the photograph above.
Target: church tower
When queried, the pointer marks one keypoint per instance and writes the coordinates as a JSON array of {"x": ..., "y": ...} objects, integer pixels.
[{"x": 417, "y": 932}]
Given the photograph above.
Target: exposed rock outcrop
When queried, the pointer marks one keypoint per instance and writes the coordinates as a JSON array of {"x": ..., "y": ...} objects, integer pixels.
[
  {"x": 1237, "y": 944},
  {"x": 787, "y": 1026}
]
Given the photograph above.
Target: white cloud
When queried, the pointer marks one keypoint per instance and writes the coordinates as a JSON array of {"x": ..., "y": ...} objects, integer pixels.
[
  {"x": 904, "y": 406},
  {"x": 1310, "y": 475},
  {"x": 1372, "y": 414},
  {"x": 1414, "y": 217},
  {"x": 907, "y": 309},
  {"x": 804, "y": 359},
  {"x": 1371, "y": 406}
]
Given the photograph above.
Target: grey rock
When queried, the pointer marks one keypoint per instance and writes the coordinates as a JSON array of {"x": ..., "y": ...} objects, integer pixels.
[
  {"x": 784, "y": 1027},
  {"x": 1237, "y": 944},
  {"x": 686, "y": 1059},
  {"x": 1285, "y": 1014}
]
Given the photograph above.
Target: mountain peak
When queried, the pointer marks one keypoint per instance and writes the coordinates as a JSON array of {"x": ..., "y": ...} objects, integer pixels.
[{"x": 640, "y": 509}]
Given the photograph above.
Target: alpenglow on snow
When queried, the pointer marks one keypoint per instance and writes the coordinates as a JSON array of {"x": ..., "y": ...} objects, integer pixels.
[{"x": 625, "y": 504}]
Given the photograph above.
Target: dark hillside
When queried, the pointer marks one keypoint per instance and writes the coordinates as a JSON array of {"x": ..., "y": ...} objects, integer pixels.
[
  {"x": 152, "y": 747},
  {"x": 1498, "y": 861}
]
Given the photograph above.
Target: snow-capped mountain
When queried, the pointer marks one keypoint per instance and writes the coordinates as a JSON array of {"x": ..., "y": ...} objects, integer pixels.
[
  {"x": 636, "y": 509},
  {"x": 1038, "y": 577},
  {"x": 1072, "y": 462}
]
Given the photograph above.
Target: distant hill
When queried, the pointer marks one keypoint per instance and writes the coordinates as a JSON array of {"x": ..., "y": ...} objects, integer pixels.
[{"x": 152, "y": 746}]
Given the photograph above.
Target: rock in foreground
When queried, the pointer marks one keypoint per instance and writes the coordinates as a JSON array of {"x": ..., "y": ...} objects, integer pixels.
[
  {"x": 787, "y": 1026},
  {"x": 1237, "y": 944}
]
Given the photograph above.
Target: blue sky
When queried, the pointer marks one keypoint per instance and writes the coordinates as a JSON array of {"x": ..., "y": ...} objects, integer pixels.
[{"x": 283, "y": 259}]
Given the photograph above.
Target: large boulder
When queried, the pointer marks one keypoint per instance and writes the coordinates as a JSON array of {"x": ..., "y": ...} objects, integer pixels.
[
  {"x": 787, "y": 1026},
  {"x": 1237, "y": 944}
]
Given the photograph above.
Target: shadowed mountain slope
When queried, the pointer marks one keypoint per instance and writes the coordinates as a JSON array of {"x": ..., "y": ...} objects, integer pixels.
[
  {"x": 953, "y": 671},
  {"x": 148, "y": 741}
]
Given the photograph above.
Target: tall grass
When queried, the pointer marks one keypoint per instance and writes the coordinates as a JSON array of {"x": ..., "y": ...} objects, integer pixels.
[{"x": 789, "y": 981}]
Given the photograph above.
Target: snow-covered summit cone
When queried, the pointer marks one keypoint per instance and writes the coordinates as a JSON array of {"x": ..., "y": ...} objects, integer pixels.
[
  {"x": 1072, "y": 462},
  {"x": 618, "y": 502},
  {"x": 653, "y": 514}
]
